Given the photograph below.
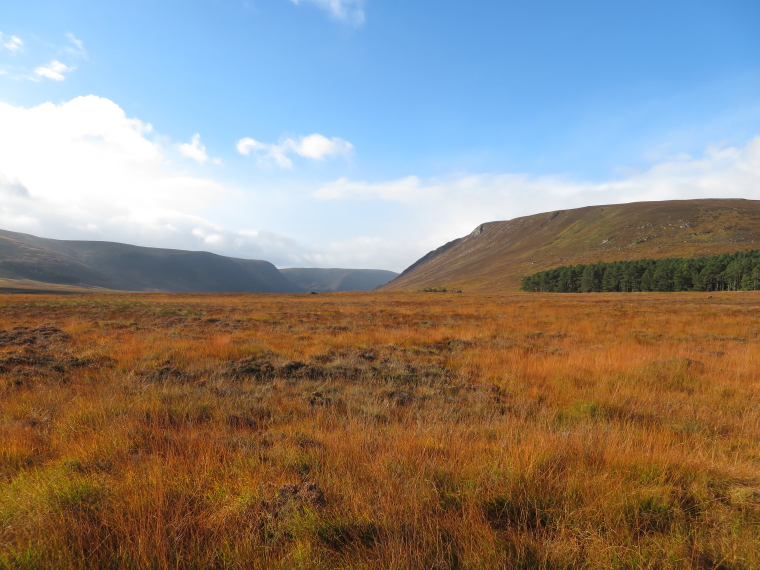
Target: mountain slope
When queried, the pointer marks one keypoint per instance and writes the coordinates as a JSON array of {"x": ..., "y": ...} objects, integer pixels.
[
  {"x": 329, "y": 280},
  {"x": 133, "y": 268},
  {"x": 497, "y": 255}
]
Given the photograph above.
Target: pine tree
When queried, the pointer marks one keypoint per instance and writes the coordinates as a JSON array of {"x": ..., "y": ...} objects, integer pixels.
[
  {"x": 588, "y": 279},
  {"x": 682, "y": 279},
  {"x": 609, "y": 281}
]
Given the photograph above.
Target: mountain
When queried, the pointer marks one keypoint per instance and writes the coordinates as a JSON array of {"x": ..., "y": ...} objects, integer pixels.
[
  {"x": 119, "y": 266},
  {"x": 329, "y": 280},
  {"x": 496, "y": 255}
]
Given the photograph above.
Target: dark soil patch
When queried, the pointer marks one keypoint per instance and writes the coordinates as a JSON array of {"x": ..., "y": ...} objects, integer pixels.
[{"x": 19, "y": 336}]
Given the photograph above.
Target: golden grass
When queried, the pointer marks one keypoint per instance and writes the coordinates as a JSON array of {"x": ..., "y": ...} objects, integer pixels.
[{"x": 380, "y": 431}]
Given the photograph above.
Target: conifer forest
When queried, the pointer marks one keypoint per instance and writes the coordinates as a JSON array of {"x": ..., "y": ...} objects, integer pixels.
[{"x": 728, "y": 272}]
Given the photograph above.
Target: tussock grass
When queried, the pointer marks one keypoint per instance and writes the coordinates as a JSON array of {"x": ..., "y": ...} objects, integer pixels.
[{"x": 380, "y": 431}]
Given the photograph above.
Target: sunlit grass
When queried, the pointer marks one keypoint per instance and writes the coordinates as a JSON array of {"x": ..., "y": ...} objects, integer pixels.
[{"x": 380, "y": 431}]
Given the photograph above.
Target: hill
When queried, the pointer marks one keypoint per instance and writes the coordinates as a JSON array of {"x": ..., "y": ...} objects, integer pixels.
[
  {"x": 125, "y": 267},
  {"x": 330, "y": 280},
  {"x": 497, "y": 255}
]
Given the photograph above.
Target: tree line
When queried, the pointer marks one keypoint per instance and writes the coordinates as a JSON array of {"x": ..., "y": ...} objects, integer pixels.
[{"x": 726, "y": 272}]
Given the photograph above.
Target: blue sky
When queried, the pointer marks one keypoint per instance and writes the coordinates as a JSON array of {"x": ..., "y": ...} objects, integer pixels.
[{"x": 364, "y": 133}]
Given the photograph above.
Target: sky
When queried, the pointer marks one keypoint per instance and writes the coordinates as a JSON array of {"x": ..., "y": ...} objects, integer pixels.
[{"x": 364, "y": 133}]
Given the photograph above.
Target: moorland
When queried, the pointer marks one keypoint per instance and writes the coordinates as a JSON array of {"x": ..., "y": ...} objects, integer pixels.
[{"x": 393, "y": 430}]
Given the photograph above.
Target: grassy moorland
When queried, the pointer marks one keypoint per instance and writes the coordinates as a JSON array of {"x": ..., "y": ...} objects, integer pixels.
[{"x": 402, "y": 430}]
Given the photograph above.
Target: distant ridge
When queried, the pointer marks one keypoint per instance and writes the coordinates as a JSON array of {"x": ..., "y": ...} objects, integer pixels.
[
  {"x": 430, "y": 255},
  {"x": 497, "y": 255},
  {"x": 119, "y": 266}
]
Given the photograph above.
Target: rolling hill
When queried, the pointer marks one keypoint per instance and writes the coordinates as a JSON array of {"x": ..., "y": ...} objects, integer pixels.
[
  {"x": 331, "y": 280},
  {"x": 118, "y": 266},
  {"x": 496, "y": 255},
  {"x": 29, "y": 263}
]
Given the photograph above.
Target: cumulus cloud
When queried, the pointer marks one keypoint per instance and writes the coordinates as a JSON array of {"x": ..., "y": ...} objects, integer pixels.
[
  {"x": 85, "y": 164},
  {"x": 350, "y": 11},
  {"x": 315, "y": 147},
  {"x": 53, "y": 70},
  {"x": 84, "y": 170},
  {"x": 318, "y": 147},
  {"x": 196, "y": 150},
  {"x": 11, "y": 43}
]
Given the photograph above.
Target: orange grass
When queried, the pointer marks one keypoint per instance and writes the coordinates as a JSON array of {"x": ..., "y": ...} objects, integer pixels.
[{"x": 419, "y": 431}]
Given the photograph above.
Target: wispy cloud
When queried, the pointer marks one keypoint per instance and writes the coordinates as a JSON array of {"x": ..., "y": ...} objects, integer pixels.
[
  {"x": 721, "y": 172},
  {"x": 407, "y": 189},
  {"x": 54, "y": 70},
  {"x": 11, "y": 43},
  {"x": 315, "y": 147},
  {"x": 267, "y": 152},
  {"x": 78, "y": 44},
  {"x": 61, "y": 59},
  {"x": 350, "y": 11}
]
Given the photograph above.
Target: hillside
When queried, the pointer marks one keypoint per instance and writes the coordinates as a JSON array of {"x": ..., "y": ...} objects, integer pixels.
[
  {"x": 330, "y": 280},
  {"x": 124, "y": 267},
  {"x": 496, "y": 255}
]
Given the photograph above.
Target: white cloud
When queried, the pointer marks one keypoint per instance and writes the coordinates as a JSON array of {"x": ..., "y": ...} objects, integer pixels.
[
  {"x": 315, "y": 147},
  {"x": 85, "y": 164},
  {"x": 13, "y": 188},
  {"x": 53, "y": 70},
  {"x": 720, "y": 172},
  {"x": 272, "y": 152},
  {"x": 408, "y": 189},
  {"x": 196, "y": 150},
  {"x": 11, "y": 43},
  {"x": 84, "y": 170},
  {"x": 62, "y": 59},
  {"x": 351, "y": 11},
  {"x": 318, "y": 147}
]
